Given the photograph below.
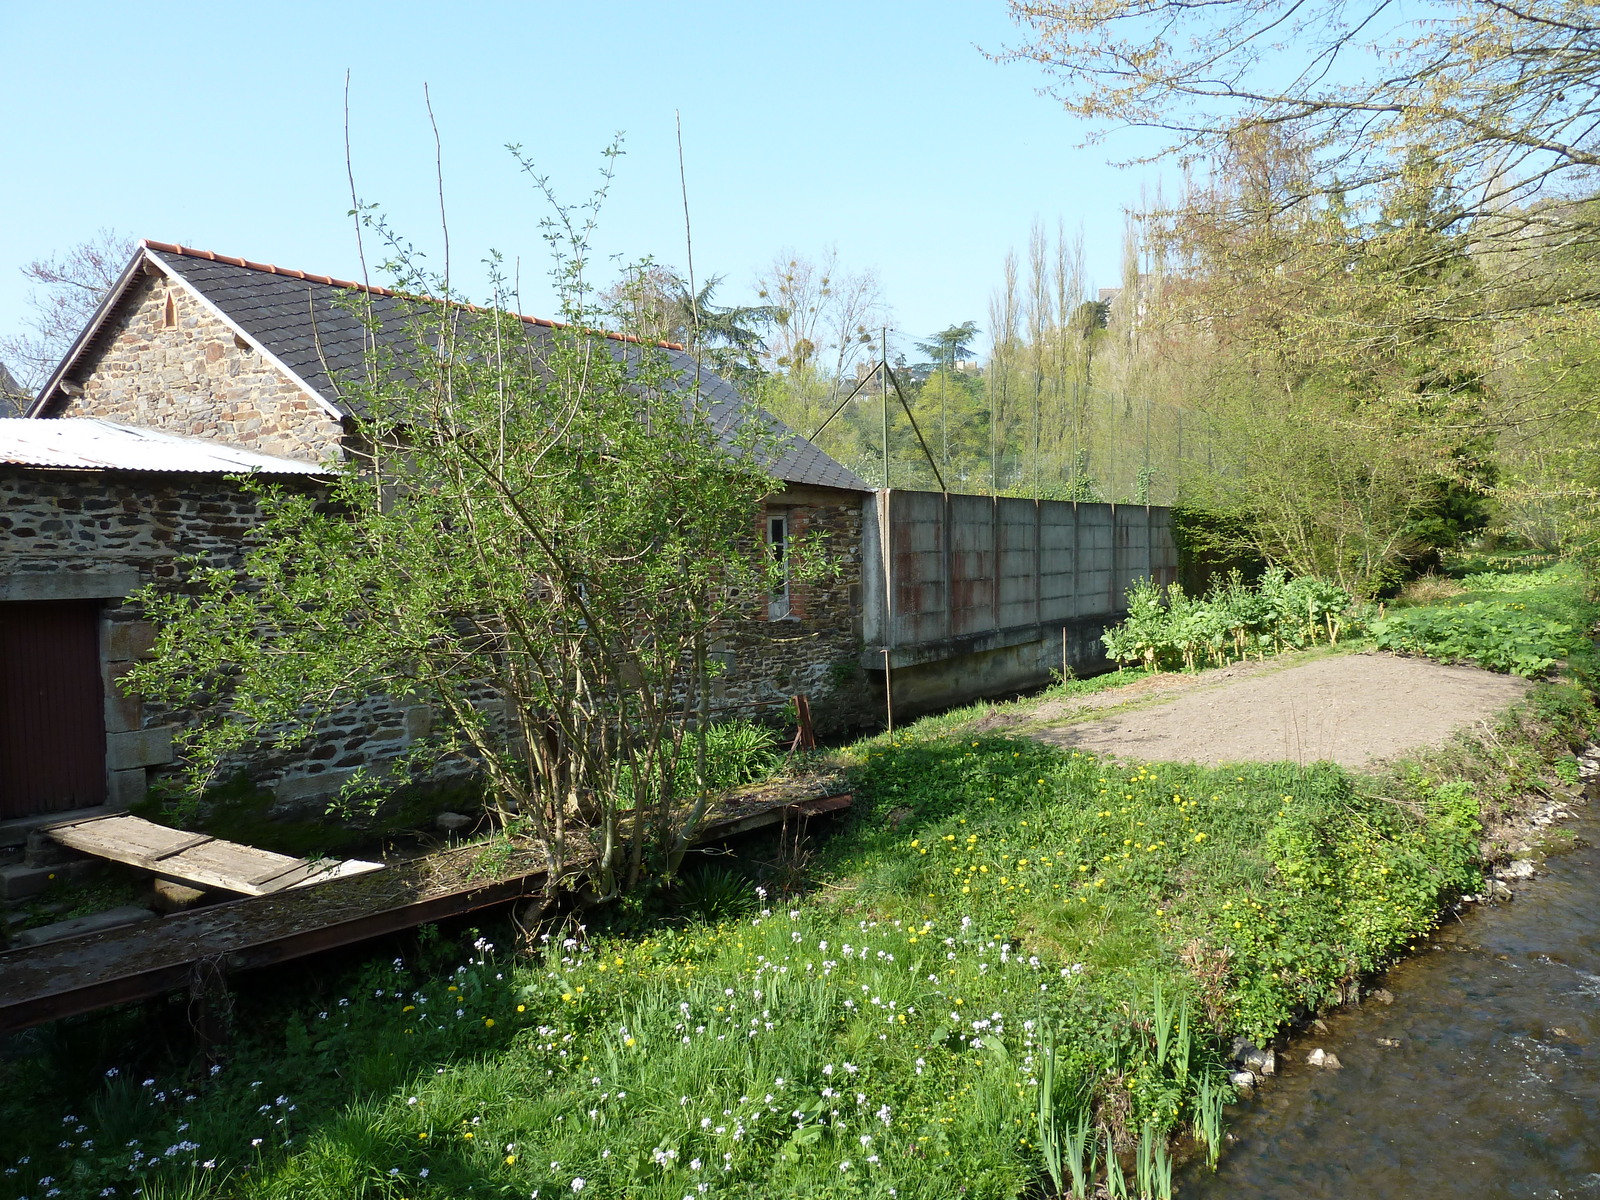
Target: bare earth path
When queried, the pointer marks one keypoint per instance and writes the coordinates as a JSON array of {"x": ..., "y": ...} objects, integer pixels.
[{"x": 1356, "y": 709}]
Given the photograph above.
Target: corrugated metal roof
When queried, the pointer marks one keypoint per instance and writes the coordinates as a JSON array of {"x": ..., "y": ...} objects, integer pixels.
[{"x": 88, "y": 443}]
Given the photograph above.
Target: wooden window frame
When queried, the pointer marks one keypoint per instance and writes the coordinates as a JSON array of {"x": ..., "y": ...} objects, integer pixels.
[{"x": 780, "y": 601}]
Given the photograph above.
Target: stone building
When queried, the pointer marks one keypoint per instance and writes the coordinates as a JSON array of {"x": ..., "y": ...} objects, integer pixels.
[
  {"x": 197, "y": 366},
  {"x": 89, "y": 512},
  {"x": 243, "y": 360}
]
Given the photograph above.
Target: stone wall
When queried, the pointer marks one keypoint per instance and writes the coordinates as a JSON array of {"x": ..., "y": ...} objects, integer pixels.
[
  {"x": 166, "y": 361},
  {"x": 103, "y": 534},
  {"x": 815, "y": 650}
]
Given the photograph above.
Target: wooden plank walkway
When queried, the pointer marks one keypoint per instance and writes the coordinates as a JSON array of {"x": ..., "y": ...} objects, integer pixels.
[
  {"x": 80, "y": 975},
  {"x": 195, "y": 858}
]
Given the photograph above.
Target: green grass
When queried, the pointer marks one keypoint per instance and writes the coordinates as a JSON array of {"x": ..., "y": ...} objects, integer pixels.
[
  {"x": 905, "y": 1003},
  {"x": 994, "y": 916}
]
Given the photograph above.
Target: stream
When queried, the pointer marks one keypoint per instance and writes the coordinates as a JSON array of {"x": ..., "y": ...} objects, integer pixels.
[{"x": 1481, "y": 1079}]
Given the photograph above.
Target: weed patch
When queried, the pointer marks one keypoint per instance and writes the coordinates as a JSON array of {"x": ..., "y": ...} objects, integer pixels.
[
  {"x": 1014, "y": 963},
  {"x": 1517, "y": 624},
  {"x": 1168, "y": 628}
]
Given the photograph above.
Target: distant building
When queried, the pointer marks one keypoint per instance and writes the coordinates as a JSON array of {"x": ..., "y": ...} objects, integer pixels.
[{"x": 197, "y": 367}]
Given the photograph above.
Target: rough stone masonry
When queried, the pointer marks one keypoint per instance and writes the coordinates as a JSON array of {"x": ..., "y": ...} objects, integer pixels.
[{"x": 168, "y": 362}]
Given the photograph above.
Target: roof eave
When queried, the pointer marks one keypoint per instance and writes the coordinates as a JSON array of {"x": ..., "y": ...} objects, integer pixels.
[
  {"x": 143, "y": 256},
  {"x": 108, "y": 305}
]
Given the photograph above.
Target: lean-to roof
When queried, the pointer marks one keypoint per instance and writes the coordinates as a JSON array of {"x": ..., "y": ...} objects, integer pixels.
[{"x": 88, "y": 443}]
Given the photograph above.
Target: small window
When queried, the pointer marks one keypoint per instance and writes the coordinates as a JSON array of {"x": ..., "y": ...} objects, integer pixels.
[
  {"x": 778, "y": 603},
  {"x": 169, "y": 314}
]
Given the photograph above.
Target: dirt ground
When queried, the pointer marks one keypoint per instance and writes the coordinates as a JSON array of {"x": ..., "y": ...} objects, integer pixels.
[{"x": 1356, "y": 709}]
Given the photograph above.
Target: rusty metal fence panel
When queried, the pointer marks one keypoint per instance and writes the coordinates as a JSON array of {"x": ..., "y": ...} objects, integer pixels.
[{"x": 963, "y": 566}]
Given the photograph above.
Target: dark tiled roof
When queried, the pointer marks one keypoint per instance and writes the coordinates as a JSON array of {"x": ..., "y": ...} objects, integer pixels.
[{"x": 303, "y": 321}]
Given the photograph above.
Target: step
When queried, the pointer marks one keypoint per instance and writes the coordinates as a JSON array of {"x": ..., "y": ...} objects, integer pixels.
[
  {"x": 18, "y": 881},
  {"x": 43, "y": 852},
  {"x": 168, "y": 897},
  {"x": 15, "y": 831},
  {"x": 112, "y": 918}
]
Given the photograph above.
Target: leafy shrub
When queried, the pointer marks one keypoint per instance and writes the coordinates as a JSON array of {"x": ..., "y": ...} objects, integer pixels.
[
  {"x": 715, "y": 893},
  {"x": 1502, "y": 583},
  {"x": 737, "y": 752},
  {"x": 1168, "y": 628},
  {"x": 1502, "y": 638}
]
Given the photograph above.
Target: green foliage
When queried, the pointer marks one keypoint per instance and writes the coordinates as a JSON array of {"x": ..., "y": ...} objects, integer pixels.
[
  {"x": 1520, "y": 623},
  {"x": 1026, "y": 973},
  {"x": 739, "y": 752},
  {"x": 540, "y": 530},
  {"x": 1299, "y": 878},
  {"x": 715, "y": 893},
  {"x": 736, "y": 752},
  {"x": 1166, "y": 628},
  {"x": 1499, "y": 637}
]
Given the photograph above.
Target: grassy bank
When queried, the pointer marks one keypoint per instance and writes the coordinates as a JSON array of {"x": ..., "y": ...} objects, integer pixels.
[{"x": 994, "y": 915}]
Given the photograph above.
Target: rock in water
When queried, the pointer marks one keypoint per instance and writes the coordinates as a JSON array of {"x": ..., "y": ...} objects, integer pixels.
[
  {"x": 1242, "y": 1080},
  {"x": 1262, "y": 1062},
  {"x": 1317, "y": 1057},
  {"x": 1381, "y": 995},
  {"x": 1330, "y": 1062}
]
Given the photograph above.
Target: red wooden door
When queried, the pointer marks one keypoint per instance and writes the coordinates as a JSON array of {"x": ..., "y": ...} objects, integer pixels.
[{"x": 52, "y": 708}]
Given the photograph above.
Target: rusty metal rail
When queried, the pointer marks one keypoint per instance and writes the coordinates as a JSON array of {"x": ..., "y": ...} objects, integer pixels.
[{"x": 85, "y": 974}]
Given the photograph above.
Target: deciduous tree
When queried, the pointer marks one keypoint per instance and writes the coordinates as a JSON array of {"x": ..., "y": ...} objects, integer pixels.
[{"x": 536, "y": 537}]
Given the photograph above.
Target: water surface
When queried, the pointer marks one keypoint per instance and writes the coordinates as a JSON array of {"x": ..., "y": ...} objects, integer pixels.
[{"x": 1492, "y": 1088}]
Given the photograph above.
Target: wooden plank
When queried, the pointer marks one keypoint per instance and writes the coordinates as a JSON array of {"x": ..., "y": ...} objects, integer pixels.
[
  {"x": 324, "y": 871},
  {"x": 801, "y": 808},
  {"x": 229, "y": 866},
  {"x": 15, "y": 832},
  {"x": 134, "y": 973},
  {"x": 123, "y": 839},
  {"x": 195, "y": 858},
  {"x": 197, "y": 840},
  {"x": 354, "y": 902}
]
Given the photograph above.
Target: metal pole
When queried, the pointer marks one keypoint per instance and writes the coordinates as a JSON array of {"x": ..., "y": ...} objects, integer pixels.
[
  {"x": 883, "y": 395},
  {"x": 888, "y": 692},
  {"x": 885, "y": 534}
]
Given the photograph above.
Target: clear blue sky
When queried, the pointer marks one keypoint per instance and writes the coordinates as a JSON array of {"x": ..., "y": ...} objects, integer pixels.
[{"x": 875, "y": 126}]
